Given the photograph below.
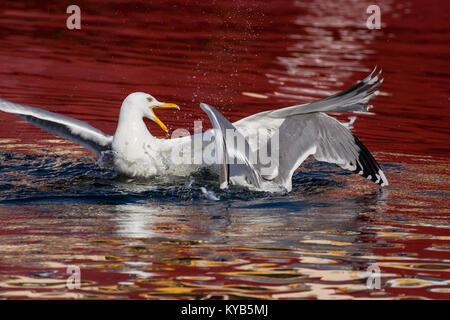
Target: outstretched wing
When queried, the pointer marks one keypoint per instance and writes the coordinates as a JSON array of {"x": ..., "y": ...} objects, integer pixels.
[
  {"x": 232, "y": 157},
  {"x": 327, "y": 140},
  {"x": 353, "y": 99},
  {"x": 75, "y": 130}
]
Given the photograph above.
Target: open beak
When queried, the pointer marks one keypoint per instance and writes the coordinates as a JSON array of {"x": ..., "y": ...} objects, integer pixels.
[{"x": 164, "y": 105}]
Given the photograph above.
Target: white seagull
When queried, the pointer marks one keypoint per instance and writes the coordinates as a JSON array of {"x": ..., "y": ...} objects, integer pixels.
[{"x": 293, "y": 134}]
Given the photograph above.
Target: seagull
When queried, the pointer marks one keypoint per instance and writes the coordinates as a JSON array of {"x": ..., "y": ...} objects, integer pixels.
[{"x": 291, "y": 135}]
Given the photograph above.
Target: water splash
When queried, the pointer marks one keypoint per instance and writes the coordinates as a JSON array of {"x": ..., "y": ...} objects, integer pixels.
[{"x": 210, "y": 195}]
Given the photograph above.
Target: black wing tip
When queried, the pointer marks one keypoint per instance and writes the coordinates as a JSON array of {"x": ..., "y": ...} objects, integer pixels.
[
  {"x": 376, "y": 177},
  {"x": 368, "y": 167}
]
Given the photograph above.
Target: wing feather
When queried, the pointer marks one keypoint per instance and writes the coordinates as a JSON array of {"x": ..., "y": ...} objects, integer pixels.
[
  {"x": 336, "y": 144},
  {"x": 326, "y": 139},
  {"x": 353, "y": 99},
  {"x": 75, "y": 130},
  {"x": 228, "y": 154}
]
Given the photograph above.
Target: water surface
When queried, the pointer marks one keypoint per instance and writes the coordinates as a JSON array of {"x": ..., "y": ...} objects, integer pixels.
[{"x": 142, "y": 240}]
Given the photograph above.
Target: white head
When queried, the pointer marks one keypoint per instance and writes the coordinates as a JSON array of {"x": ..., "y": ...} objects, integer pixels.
[{"x": 142, "y": 105}]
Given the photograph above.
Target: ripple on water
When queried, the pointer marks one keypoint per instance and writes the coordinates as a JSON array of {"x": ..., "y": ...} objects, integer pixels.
[{"x": 159, "y": 240}]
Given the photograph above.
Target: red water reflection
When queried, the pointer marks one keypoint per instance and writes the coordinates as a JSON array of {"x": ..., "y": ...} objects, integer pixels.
[{"x": 286, "y": 52}]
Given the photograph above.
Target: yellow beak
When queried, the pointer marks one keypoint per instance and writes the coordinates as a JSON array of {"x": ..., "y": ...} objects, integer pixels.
[{"x": 164, "y": 105}]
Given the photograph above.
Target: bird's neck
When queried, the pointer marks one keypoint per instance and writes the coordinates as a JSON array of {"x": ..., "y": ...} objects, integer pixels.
[
  {"x": 131, "y": 132},
  {"x": 131, "y": 122}
]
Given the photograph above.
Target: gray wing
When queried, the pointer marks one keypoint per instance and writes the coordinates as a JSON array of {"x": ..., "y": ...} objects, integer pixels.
[
  {"x": 327, "y": 140},
  {"x": 72, "y": 129},
  {"x": 232, "y": 158},
  {"x": 352, "y": 99}
]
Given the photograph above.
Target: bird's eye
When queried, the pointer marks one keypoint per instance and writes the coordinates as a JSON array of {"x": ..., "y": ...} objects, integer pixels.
[{"x": 150, "y": 99}]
